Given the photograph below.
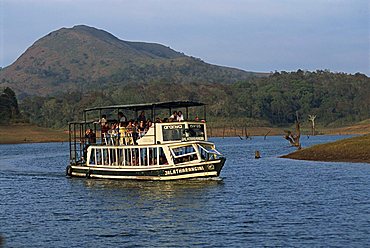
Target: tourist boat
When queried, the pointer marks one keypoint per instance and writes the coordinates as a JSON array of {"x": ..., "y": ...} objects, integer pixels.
[{"x": 166, "y": 151}]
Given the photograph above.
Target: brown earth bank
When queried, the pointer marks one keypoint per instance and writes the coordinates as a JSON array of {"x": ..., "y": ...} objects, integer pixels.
[
  {"x": 27, "y": 133},
  {"x": 356, "y": 149}
]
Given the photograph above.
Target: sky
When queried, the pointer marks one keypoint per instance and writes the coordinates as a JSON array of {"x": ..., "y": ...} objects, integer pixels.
[{"x": 252, "y": 35}]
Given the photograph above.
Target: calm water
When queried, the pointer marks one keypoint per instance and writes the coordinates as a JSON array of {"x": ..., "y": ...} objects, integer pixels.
[{"x": 265, "y": 202}]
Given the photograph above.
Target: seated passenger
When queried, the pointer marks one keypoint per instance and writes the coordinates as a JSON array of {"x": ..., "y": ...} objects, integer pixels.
[
  {"x": 173, "y": 117},
  {"x": 180, "y": 117},
  {"x": 158, "y": 120}
]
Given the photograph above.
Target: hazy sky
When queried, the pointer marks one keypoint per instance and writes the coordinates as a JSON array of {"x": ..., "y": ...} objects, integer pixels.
[{"x": 253, "y": 35}]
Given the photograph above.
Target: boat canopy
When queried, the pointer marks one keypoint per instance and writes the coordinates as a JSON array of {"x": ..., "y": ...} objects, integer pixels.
[{"x": 149, "y": 106}]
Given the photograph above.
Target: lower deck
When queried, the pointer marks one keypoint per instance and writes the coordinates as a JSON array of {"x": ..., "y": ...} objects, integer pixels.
[
  {"x": 163, "y": 172},
  {"x": 150, "y": 162}
]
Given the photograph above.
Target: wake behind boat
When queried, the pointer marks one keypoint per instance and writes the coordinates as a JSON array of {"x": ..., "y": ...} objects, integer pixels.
[{"x": 118, "y": 148}]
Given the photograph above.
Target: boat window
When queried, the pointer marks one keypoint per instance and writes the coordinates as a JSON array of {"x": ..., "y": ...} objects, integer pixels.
[
  {"x": 113, "y": 156},
  {"x": 98, "y": 156},
  {"x": 92, "y": 157},
  {"x": 208, "y": 152},
  {"x": 194, "y": 132},
  {"x": 183, "y": 150},
  {"x": 184, "y": 154},
  {"x": 134, "y": 161},
  {"x": 172, "y": 132},
  {"x": 143, "y": 156},
  {"x": 152, "y": 158},
  {"x": 162, "y": 157},
  {"x": 127, "y": 155}
]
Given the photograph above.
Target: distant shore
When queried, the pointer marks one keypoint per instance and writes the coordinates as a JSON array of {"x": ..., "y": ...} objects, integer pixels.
[
  {"x": 356, "y": 149},
  {"x": 27, "y": 133}
]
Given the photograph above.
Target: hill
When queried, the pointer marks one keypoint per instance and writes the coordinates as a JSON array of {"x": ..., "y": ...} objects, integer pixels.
[
  {"x": 83, "y": 58},
  {"x": 355, "y": 149}
]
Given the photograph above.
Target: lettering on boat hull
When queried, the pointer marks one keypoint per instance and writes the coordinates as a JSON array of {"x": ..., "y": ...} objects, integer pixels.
[{"x": 205, "y": 170}]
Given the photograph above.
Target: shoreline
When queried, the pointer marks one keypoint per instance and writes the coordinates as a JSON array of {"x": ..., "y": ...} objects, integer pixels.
[
  {"x": 352, "y": 150},
  {"x": 27, "y": 133}
]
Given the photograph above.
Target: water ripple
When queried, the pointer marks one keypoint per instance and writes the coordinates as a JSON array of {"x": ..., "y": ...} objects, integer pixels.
[{"x": 267, "y": 202}]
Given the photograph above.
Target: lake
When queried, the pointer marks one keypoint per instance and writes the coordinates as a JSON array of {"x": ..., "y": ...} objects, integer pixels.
[{"x": 265, "y": 202}]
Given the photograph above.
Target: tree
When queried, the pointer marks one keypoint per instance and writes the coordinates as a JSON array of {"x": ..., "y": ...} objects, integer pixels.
[{"x": 312, "y": 119}]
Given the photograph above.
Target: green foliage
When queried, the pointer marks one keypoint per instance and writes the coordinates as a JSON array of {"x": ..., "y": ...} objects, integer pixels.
[
  {"x": 335, "y": 98},
  {"x": 8, "y": 106}
]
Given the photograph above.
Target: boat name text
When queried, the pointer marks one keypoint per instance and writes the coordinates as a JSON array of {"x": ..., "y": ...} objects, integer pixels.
[
  {"x": 173, "y": 127},
  {"x": 183, "y": 170}
]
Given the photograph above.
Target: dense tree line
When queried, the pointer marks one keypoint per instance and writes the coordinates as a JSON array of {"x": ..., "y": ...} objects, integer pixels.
[
  {"x": 9, "y": 110},
  {"x": 336, "y": 99}
]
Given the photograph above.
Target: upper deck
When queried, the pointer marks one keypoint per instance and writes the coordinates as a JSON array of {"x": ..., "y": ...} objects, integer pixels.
[{"x": 120, "y": 126}]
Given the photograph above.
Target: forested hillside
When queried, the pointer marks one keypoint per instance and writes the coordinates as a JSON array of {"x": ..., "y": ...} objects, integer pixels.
[{"x": 336, "y": 99}]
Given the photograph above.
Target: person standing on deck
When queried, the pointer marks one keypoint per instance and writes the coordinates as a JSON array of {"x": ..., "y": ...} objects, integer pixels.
[
  {"x": 141, "y": 117},
  {"x": 122, "y": 117}
]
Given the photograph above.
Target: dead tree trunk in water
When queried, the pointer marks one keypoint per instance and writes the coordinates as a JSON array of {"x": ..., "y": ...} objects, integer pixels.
[
  {"x": 267, "y": 134},
  {"x": 294, "y": 138},
  {"x": 312, "y": 119}
]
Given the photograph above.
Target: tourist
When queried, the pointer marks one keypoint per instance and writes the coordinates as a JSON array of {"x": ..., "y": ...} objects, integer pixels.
[
  {"x": 104, "y": 124},
  {"x": 173, "y": 117},
  {"x": 131, "y": 131},
  {"x": 122, "y": 133},
  {"x": 121, "y": 117},
  {"x": 90, "y": 138},
  {"x": 180, "y": 116},
  {"x": 141, "y": 117},
  {"x": 158, "y": 120},
  {"x": 149, "y": 124},
  {"x": 141, "y": 129}
]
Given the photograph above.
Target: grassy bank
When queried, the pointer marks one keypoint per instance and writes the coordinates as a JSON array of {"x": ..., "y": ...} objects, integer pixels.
[
  {"x": 26, "y": 133},
  {"x": 355, "y": 149}
]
